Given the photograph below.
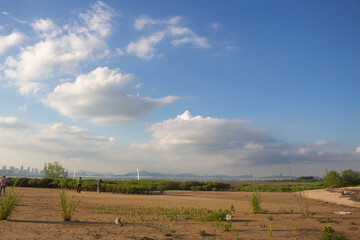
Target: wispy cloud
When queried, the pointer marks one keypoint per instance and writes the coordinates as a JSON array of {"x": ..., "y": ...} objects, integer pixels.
[
  {"x": 144, "y": 47},
  {"x": 170, "y": 29},
  {"x": 144, "y": 20},
  {"x": 215, "y": 25},
  {"x": 322, "y": 143},
  {"x": 23, "y": 108},
  {"x": 290, "y": 127}
]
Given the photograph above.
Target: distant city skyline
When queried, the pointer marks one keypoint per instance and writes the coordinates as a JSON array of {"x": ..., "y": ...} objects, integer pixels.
[
  {"x": 21, "y": 171},
  {"x": 203, "y": 87}
]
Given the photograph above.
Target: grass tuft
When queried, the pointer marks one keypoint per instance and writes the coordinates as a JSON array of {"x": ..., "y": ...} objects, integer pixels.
[
  {"x": 8, "y": 203},
  {"x": 67, "y": 209},
  {"x": 255, "y": 202}
]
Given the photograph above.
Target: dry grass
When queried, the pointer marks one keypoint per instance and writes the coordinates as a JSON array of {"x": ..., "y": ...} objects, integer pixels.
[{"x": 303, "y": 204}]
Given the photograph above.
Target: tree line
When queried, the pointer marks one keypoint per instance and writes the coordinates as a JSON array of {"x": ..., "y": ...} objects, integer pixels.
[{"x": 347, "y": 178}]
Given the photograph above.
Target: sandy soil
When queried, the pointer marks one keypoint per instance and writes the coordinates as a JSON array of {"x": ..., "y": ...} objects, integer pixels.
[
  {"x": 39, "y": 216},
  {"x": 342, "y": 196}
]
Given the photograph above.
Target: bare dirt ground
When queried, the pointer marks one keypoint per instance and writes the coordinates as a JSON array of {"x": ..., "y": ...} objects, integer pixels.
[
  {"x": 349, "y": 196},
  {"x": 39, "y": 216}
]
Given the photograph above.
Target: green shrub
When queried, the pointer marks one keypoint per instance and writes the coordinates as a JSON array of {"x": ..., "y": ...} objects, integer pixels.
[
  {"x": 350, "y": 177},
  {"x": 332, "y": 179},
  {"x": 219, "y": 215},
  {"x": 255, "y": 202},
  {"x": 329, "y": 234}
]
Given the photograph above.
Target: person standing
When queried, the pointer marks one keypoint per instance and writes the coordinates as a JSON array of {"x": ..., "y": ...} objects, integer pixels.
[
  {"x": 3, "y": 184},
  {"x": 78, "y": 189},
  {"x": 99, "y": 186}
]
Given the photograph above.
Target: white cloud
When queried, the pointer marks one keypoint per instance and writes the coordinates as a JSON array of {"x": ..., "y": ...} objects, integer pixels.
[
  {"x": 44, "y": 142},
  {"x": 58, "y": 55},
  {"x": 10, "y": 40},
  {"x": 189, "y": 37},
  {"x": 321, "y": 143},
  {"x": 173, "y": 21},
  {"x": 103, "y": 96},
  {"x": 290, "y": 127},
  {"x": 215, "y": 25},
  {"x": 49, "y": 58},
  {"x": 208, "y": 143},
  {"x": 305, "y": 150},
  {"x": 199, "y": 41},
  {"x": 120, "y": 51},
  {"x": 98, "y": 19},
  {"x": 11, "y": 123},
  {"x": 180, "y": 30},
  {"x": 185, "y": 143},
  {"x": 142, "y": 21},
  {"x": 23, "y": 108},
  {"x": 46, "y": 28},
  {"x": 144, "y": 47},
  {"x": 5, "y": 13}
]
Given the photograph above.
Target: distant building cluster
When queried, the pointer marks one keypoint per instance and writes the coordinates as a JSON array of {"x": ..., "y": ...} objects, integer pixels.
[{"x": 24, "y": 172}]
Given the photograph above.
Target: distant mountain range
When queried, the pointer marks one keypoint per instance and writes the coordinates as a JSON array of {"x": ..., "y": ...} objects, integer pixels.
[{"x": 184, "y": 176}]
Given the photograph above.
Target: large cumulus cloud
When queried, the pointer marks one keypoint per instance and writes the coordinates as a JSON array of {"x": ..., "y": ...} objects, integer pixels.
[
  {"x": 103, "y": 96},
  {"x": 208, "y": 142}
]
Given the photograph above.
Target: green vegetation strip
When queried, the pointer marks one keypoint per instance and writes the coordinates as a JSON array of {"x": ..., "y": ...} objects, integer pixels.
[{"x": 125, "y": 187}]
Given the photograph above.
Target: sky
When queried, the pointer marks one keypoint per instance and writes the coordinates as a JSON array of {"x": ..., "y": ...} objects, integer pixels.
[{"x": 203, "y": 87}]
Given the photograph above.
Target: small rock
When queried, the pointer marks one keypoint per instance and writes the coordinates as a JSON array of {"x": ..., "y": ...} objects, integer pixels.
[
  {"x": 117, "y": 221},
  {"x": 342, "y": 213}
]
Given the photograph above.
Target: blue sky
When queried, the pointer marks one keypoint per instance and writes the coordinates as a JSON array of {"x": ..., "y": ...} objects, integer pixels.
[{"x": 204, "y": 87}]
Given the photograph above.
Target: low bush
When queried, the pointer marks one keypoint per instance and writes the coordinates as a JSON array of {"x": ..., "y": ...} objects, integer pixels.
[{"x": 328, "y": 233}]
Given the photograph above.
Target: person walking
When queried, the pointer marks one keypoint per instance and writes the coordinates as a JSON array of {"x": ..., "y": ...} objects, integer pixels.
[
  {"x": 3, "y": 184},
  {"x": 78, "y": 189},
  {"x": 99, "y": 186}
]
